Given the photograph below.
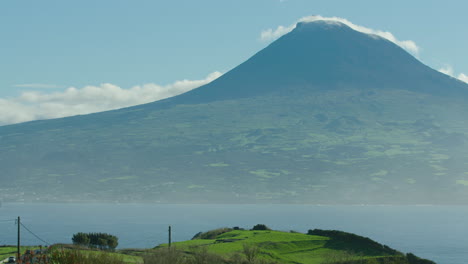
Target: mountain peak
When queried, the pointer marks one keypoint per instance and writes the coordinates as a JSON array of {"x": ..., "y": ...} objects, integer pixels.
[
  {"x": 325, "y": 55},
  {"x": 322, "y": 24},
  {"x": 325, "y": 114},
  {"x": 333, "y": 26}
]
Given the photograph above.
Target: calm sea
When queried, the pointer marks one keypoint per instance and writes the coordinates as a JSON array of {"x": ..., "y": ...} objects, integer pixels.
[{"x": 439, "y": 233}]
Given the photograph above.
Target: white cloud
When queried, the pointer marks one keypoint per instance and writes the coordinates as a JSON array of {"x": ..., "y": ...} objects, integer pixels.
[
  {"x": 272, "y": 34},
  {"x": 34, "y": 105},
  {"x": 37, "y": 85},
  {"x": 463, "y": 77},
  {"x": 447, "y": 70},
  {"x": 450, "y": 72}
]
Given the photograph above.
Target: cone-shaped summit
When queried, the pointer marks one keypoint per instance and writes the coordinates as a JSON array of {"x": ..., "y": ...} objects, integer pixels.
[
  {"x": 325, "y": 114},
  {"x": 324, "y": 55}
]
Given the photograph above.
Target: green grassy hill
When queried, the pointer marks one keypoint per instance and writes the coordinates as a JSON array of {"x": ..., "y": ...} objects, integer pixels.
[
  {"x": 290, "y": 247},
  {"x": 238, "y": 246}
]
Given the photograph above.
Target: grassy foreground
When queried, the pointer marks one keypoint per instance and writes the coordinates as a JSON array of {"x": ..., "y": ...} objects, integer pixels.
[
  {"x": 7, "y": 251},
  {"x": 238, "y": 246}
]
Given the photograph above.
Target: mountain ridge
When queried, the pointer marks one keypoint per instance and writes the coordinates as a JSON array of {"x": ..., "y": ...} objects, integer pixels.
[
  {"x": 330, "y": 40},
  {"x": 320, "y": 25},
  {"x": 325, "y": 114}
]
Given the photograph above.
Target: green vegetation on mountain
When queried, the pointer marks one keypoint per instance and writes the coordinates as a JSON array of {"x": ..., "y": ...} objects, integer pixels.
[
  {"x": 323, "y": 115},
  {"x": 325, "y": 149}
]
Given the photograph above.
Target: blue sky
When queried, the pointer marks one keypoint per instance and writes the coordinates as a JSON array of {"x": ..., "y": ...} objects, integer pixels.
[{"x": 60, "y": 58}]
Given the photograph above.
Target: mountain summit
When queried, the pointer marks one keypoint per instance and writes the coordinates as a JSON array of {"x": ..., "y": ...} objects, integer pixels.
[
  {"x": 325, "y": 114},
  {"x": 326, "y": 55}
]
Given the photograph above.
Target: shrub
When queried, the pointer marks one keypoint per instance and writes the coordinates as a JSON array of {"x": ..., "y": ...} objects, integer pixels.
[
  {"x": 165, "y": 256},
  {"x": 75, "y": 256},
  {"x": 212, "y": 234},
  {"x": 174, "y": 256},
  {"x": 201, "y": 256},
  {"x": 197, "y": 235},
  {"x": 340, "y": 258},
  {"x": 250, "y": 252},
  {"x": 359, "y": 243},
  {"x": 260, "y": 227},
  {"x": 412, "y": 259}
]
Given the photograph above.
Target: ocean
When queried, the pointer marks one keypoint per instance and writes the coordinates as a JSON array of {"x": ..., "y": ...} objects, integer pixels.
[{"x": 439, "y": 233}]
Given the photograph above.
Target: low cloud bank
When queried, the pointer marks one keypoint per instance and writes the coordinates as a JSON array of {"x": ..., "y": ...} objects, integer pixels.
[{"x": 34, "y": 105}]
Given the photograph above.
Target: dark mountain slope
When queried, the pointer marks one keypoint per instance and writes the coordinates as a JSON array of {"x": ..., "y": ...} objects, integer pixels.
[
  {"x": 324, "y": 114},
  {"x": 324, "y": 55}
]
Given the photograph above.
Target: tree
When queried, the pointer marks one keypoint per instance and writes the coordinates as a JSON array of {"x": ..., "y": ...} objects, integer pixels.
[
  {"x": 81, "y": 239},
  {"x": 261, "y": 227},
  {"x": 250, "y": 252},
  {"x": 112, "y": 242},
  {"x": 102, "y": 243},
  {"x": 96, "y": 240}
]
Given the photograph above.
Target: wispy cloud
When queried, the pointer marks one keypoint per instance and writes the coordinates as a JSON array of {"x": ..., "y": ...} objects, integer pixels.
[
  {"x": 38, "y": 85},
  {"x": 463, "y": 77},
  {"x": 34, "y": 105},
  {"x": 447, "y": 69},
  {"x": 272, "y": 34}
]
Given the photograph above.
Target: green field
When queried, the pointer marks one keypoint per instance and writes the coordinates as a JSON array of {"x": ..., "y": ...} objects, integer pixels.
[
  {"x": 130, "y": 259},
  {"x": 239, "y": 246},
  {"x": 274, "y": 245},
  {"x": 291, "y": 247},
  {"x": 10, "y": 251},
  {"x": 6, "y": 252}
]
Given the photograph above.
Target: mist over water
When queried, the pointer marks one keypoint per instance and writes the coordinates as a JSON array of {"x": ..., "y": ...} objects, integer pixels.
[{"x": 438, "y": 233}]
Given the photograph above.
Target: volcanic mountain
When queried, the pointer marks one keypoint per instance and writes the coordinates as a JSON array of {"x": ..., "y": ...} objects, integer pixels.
[{"x": 323, "y": 115}]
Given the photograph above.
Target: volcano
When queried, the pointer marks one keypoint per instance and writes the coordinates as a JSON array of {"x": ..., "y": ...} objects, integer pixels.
[{"x": 323, "y": 115}]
